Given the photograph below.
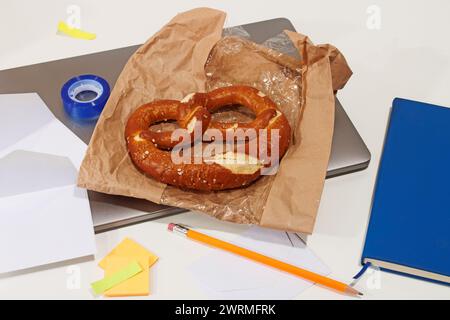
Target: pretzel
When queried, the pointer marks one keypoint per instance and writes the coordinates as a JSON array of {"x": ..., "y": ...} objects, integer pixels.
[
  {"x": 263, "y": 107},
  {"x": 186, "y": 117},
  {"x": 221, "y": 171},
  {"x": 266, "y": 113},
  {"x": 158, "y": 163}
]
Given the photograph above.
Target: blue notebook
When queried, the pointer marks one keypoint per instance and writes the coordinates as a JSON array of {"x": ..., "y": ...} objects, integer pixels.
[{"x": 409, "y": 229}]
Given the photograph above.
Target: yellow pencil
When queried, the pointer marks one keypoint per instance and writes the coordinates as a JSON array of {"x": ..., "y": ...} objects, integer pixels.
[{"x": 302, "y": 273}]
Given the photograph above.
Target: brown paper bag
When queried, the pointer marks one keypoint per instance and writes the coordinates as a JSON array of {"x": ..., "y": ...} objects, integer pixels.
[{"x": 171, "y": 65}]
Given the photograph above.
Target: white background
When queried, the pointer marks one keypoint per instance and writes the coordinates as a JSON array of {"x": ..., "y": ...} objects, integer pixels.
[{"x": 409, "y": 56}]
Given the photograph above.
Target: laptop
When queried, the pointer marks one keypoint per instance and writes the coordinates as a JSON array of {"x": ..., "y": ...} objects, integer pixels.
[{"x": 349, "y": 152}]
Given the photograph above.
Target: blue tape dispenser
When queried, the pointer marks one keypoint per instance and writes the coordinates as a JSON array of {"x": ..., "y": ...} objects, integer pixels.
[{"x": 85, "y": 96}]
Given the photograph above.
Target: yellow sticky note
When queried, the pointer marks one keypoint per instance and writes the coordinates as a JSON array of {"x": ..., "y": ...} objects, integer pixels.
[
  {"x": 137, "y": 285},
  {"x": 131, "y": 249},
  {"x": 75, "y": 33}
]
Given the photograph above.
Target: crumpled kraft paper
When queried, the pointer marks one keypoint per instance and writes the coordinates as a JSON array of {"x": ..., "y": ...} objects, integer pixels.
[
  {"x": 237, "y": 61},
  {"x": 171, "y": 64},
  {"x": 325, "y": 71}
]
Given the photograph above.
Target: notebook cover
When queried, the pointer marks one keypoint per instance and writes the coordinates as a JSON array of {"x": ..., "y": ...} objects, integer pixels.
[{"x": 410, "y": 219}]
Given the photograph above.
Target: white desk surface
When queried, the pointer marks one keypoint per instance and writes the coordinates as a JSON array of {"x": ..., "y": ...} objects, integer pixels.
[{"x": 408, "y": 56}]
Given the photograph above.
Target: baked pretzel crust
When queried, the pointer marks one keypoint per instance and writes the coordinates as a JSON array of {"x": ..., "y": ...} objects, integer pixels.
[{"x": 262, "y": 106}]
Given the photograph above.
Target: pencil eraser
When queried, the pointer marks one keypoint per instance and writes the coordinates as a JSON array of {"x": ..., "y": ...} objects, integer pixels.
[{"x": 171, "y": 226}]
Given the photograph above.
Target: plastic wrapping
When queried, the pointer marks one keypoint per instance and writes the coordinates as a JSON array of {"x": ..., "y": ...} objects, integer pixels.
[
  {"x": 282, "y": 43},
  {"x": 235, "y": 60},
  {"x": 238, "y": 31}
]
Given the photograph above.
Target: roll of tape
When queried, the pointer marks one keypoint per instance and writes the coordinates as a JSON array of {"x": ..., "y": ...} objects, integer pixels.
[{"x": 85, "y": 96}]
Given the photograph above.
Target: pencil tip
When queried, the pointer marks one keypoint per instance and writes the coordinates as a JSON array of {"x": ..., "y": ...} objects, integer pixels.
[{"x": 352, "y": 291}]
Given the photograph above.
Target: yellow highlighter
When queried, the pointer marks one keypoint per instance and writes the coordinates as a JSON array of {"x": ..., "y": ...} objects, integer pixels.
[{"x": 74, "y": 32}]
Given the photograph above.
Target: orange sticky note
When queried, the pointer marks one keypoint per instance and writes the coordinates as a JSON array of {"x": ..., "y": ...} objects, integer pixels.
[
  {"x": 137, "y": 285},
  {"x": 130, "y": 248}
]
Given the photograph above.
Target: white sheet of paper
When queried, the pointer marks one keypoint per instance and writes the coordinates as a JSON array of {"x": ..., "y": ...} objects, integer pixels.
[
  {"x": 38, "y": 171},
  {"x": 226, "y": 276},
  {"x": 21, "y": 116},
  {"x": 24, "y": 110},
  {"x": 49, "y": 221},
  {"x": 44, "y": 227}
]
